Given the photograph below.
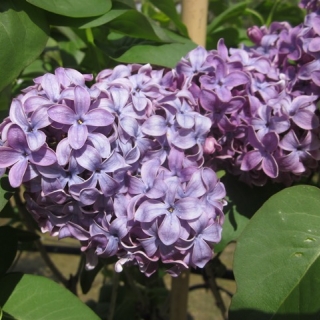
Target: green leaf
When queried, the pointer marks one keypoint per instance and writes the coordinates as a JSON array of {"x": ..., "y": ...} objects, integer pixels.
[
  {"x": 134, "y": 24},
  {"x": 23, "y": 35},
  {"x": 277, "y": 259},
  {"x": 74, "y": 8},
  {"x": 29, "y": 297},
  {"x": 243, "y": 202},
  {"x": 232, "y": 12},
  {"x": 117, "y": 10},
  {"x": 166, "y": 55},
  {"x": 8, "y": 248},
  {"x": 168, "y": 7}
]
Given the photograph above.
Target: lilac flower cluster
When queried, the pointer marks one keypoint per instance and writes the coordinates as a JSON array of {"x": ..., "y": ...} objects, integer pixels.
[
  {"x": 261, "y": 101},
  {"x": 127, "y": 166},
  {"x": 118, "y": 166}
]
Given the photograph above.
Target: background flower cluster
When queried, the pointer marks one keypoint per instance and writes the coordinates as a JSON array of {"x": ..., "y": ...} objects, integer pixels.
[{"x": 261, "y": 101}]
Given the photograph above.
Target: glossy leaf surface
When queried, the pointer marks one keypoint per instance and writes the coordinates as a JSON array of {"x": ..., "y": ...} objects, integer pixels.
[{"x": 277, "y": 260}]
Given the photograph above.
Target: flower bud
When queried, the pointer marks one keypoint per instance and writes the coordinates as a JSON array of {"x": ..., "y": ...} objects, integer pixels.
[{"x": 255, "y": 34}]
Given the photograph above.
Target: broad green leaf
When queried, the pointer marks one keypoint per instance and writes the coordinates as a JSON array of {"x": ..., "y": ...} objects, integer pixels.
[
  {"x": 0, "y": 313},
  {"x": 168, "y": 7},
  {"x": 166, "y": 55},
  {"x": 23, "y": 35},
  {"x": 74, "y": 8},
  {"x": 229, "y": 14},
  {"x": 243, "y": 202},
  {"x": 277, "y": 259},
  {"x": 30, "y": 297},
  {"x": 8, "y": 248}
]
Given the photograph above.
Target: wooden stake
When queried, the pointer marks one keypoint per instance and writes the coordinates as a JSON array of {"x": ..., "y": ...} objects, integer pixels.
[
  {"x": 179, "y": 296},
  {"x": 194, "y": 16}
]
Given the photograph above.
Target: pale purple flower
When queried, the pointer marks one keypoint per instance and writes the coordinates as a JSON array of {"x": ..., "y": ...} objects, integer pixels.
[
  {"x": 206, "y": 232},
  {"x": 172, "y": 211},
  {"x": 302, "y": 111},
  {"x": 80, "y": 117},
  {"x": 38, "y": 120},
  {"x": 267, "y": 122},
  {"x": 307, "y": 148},
  {"x": 222, "y": 81},
  {"x": 262, "y": 153},
  {"x": 18, "y": 155}
]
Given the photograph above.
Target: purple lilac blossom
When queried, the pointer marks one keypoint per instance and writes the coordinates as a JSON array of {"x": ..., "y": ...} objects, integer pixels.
[
  {"x": 118, "y": 166},
  {"x": 255, "y": 96}
]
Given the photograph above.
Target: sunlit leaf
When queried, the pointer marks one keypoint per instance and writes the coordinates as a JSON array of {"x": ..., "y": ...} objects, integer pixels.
[
  {"x": 167, "y": 55},
  {"x": 277, "y": 260},
  {"x": 243, "y": 202},
  {"x": 30, "y": 297}
]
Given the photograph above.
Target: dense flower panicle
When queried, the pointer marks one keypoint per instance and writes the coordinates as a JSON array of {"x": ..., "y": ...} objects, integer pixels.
[
  {"x": 257, "y": 97},
  {"x": 127, "y": 166},
  {"x": 117, "y": 166}
]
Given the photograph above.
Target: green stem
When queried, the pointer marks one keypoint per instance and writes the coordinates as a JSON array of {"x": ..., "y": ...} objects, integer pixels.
[
  {"x": 256, "y": 14},
  {"x": 274, "y": 7},
  {"x": 89, "y": 36}
]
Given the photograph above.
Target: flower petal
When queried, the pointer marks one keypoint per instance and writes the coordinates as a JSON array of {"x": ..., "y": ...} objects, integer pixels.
[
  {"x": 62, "y": 114},
  {"x": 169, "y": 230},
  {"x": 150, "y": 210},
  {"x": 17, "y": 172},
  {"x": 77, "y": 135}
]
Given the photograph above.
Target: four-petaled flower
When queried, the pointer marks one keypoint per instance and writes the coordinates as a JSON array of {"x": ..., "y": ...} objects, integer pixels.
[{"x": 80, "y": 117}]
